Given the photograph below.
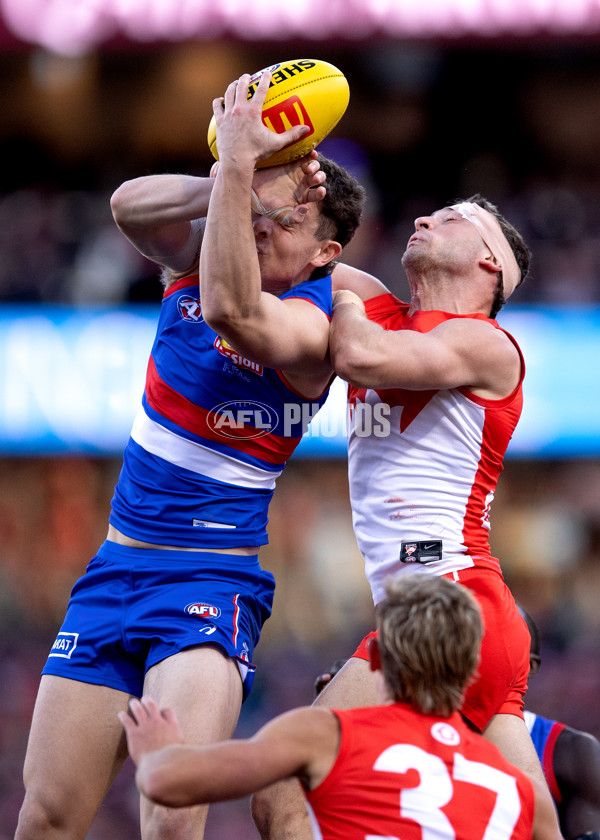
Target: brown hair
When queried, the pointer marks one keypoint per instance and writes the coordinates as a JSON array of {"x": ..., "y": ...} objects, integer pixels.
[
  {"x": 429, "y": 634},
  {"x": 342, "y": 208}
]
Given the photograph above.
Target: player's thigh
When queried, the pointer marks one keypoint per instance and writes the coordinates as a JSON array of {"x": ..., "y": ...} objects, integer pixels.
[
  {"x": 203, "y": 685},
  {"x": 76, "y": 745},
  {"x": 510, "y": 734},
  {"x": 354, "y": 685},
  {"x": 279, "y": 811}
]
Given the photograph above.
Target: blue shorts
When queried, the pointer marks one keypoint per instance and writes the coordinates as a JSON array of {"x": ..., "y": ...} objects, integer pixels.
[{"x": 135, "y": 607}]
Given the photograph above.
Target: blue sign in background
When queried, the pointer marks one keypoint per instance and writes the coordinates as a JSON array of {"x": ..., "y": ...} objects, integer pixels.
[{"x": 71, "y": 382}]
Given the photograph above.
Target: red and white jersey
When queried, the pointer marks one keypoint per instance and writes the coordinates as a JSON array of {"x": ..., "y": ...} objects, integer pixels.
[
  {"x": 423, "y": 465},
  {"x": 402, "y": 774}
]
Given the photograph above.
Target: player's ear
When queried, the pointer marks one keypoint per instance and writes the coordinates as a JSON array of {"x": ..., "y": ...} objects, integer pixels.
[
  {"x": 535, "y": 663},
  {"x": 329, "y": 250},
  {"x": 490, "y": 265},
  {"x": 374, "y": 654}
]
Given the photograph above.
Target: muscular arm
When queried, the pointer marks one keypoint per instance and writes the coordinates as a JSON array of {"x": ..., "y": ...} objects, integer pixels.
[
  {"x": 577, "y": 771},
  {"x": 457, "y": 353},
  {"x": 155, "y": 214},
  {"x": 285, "y": 334},
  {"x": 239, "y": 283},
  {"x": 303, "y": 743}
]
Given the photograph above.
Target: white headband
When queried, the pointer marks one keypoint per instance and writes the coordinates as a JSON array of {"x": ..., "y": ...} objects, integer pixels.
[{"x": 490, "y": 231}]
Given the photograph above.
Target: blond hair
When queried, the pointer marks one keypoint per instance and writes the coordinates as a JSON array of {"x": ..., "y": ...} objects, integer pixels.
[{"x": 429, "y": 634}]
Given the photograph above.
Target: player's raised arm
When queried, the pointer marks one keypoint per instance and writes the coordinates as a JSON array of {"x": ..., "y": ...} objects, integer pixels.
[
  {"x": 456, "y": 353},
  {"x": 162, "y": 216},
  {"x": 269, "y": 234}
]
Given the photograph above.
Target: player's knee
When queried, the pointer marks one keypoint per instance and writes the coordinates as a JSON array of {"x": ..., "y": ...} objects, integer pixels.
[
  {"x": 279, "y": 812},
  {"x": 174, "y": 823},
  {"x": 261, "y": 807},
  {"x": 41, "y": 817}
]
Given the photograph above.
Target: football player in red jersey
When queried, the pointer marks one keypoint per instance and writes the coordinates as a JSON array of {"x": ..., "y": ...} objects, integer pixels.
[
  {"x": 423, "y": 478},
  {"x": 407, "y": 768}
]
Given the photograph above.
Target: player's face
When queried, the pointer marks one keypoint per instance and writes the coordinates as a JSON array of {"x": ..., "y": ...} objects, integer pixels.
[
  {"x": 285, "y": 254},
  {"x": 443, "y": 239}
]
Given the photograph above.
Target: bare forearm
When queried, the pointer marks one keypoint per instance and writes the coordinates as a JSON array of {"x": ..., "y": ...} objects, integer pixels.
[
  {"x": 158, "y": 215},
  {"x": 158, "y": 200},
  {"x": 230, "y": 283},
  {"x": 181, "y": 775},
  {"x": 353, "y": 343}
]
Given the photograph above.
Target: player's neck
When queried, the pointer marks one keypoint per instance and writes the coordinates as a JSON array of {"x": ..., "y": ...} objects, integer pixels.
[{"x": 447, "y": 297}]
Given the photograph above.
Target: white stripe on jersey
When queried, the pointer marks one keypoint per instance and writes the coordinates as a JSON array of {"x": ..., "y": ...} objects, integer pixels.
[
  {"x": 177, "y": 450},
  {"x": 414, "y": 484},
  {"x": 316, "y": 829}
]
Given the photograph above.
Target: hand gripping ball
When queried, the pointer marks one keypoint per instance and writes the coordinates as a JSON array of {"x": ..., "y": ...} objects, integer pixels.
[{"x": 304, "y": 92}]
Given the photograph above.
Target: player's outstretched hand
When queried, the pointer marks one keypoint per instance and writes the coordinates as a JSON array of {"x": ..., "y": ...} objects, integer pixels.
[{"x": 149, "y": 728}]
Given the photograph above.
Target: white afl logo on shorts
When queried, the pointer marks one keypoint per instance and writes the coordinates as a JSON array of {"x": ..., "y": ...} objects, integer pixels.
[
  {"x": 445, "y": 734},
  {"x": 203, "y": 610}
]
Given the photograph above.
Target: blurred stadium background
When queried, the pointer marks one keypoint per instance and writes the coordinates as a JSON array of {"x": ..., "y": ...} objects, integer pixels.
[{"x": 447, "y": 98}]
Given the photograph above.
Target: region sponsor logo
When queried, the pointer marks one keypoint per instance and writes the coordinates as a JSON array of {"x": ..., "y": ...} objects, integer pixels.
[
  {"x": 64, "y": 645},
  {"x": 445, "y": 734},
  {"x": 256, "y": 418},
  {"x": 190, "y": 309},
  {"x": 203, "y": 610},
  {"x": 235, "y": 358}
]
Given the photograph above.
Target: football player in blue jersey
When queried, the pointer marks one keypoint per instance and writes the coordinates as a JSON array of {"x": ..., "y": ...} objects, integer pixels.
[
  {"x": 570, "y": 759},
  {"x": 172, "y": 605}
]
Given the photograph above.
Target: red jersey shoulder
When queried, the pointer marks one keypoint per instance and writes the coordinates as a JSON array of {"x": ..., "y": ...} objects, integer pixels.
[
  {"x": 386, "y": 309},
  {"x": 392, "y": 313}
]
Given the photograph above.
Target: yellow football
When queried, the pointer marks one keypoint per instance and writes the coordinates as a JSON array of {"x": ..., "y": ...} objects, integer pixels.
[{"x": 304, "y": 92}]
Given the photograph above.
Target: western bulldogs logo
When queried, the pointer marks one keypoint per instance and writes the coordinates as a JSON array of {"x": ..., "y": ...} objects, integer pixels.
[{"x": 190, "y": 308}]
